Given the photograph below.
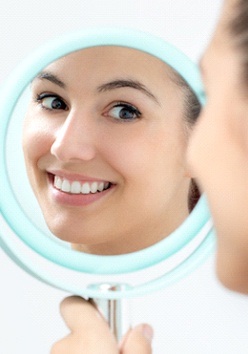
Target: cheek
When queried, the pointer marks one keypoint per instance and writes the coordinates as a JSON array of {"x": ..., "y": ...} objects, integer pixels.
[
  {"x": 36, "y": 140},
  {"x": 147, "y": 156}
]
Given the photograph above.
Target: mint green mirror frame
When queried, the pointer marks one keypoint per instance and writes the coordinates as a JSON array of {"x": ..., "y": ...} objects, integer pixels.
[{"x": 47, "y": 247}]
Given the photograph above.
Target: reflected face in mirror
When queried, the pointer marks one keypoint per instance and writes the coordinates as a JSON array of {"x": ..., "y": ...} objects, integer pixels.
[{"x": 104, "y": 141}]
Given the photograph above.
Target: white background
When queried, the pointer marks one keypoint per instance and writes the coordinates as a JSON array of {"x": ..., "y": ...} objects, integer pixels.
[{"x": 194, "y": 316}]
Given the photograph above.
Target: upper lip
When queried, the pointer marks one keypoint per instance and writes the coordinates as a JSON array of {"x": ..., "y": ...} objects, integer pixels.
[{"x": 71, "y": 176}]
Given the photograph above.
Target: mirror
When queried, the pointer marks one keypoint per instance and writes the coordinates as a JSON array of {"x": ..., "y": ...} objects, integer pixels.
[
  {"x": 111, "y": 119},
  {"x": 104, "y": 140}
]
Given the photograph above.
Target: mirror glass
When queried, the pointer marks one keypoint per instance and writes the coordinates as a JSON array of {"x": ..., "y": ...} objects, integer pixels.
[
  {"x": 104, "y": 132},
  {"x": 94, "y": 129}
]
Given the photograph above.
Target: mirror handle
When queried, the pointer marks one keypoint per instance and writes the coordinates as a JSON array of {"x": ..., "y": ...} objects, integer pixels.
[{"x": 115, "y": 312}]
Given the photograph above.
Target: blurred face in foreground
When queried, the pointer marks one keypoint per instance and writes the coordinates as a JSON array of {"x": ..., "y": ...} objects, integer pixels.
[{"x": 218, "y": 151}]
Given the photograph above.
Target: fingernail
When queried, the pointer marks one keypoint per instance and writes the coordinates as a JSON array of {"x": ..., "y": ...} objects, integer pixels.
[{"x": 147, "y": 332}]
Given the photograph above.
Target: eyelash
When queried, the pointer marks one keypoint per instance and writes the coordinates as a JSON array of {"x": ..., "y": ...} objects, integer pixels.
[
  {"x": 128, "y": 107},
  {"x": 40, "y": 97},
  {"x": 125, "y": 106}
]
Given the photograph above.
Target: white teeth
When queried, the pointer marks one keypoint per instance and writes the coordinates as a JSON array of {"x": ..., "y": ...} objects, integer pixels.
[
  {"x": 85, "y": 188},
  {"x": 93, "y": 187},
  {"x": 57, "y": 182},
  {"x": 77, "y": 187},
  {"x": 66, "y": 187},
  {"x": 101, "y": 186},
  {"x": 106, "y": 185}
]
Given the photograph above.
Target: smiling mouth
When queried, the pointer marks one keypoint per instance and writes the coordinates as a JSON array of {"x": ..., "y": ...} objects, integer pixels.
[{"x": 77, "y": 187}]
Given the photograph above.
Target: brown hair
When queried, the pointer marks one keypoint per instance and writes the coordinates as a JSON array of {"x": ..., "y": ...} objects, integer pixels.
[
  {"x": 238, "y": 27},
  {"x": 192, "y": 112},
  {"x": 192, "y": 104}
]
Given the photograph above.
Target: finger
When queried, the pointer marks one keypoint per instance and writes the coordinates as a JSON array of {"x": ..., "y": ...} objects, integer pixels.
[
  {"x": 69, "y": 344},
  {"x": 79, "y": 313},
  {"x": 90, "y": 332},
  {"x": 79, "y": 344},
  {"x": 138, "y": 340}
]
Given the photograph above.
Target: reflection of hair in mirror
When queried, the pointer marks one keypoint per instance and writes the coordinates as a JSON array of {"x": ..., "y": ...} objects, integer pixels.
[
  {"x": 239, "y": 30},
  {"x": 192, "y": 104},
  {"x": 98, "y": 193},
  {"x": 193, "y": 109},
  {"x": 194, "y": 195}
]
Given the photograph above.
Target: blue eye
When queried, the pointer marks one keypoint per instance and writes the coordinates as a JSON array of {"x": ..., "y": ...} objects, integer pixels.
[
  {"x": 123, "y": 111},
  {"x": 51, "y": 102}
]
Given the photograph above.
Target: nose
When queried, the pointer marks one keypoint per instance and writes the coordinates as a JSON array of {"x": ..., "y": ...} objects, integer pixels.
[{"x": 74, "y": 139}]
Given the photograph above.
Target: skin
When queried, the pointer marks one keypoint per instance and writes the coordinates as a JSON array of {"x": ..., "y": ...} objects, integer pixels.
[
  {"x": 88, "y": 329},
  {"x": 143, "y": 157},
  {"x": 218, "y": 152},
  {"x": 217, "y": 155}
]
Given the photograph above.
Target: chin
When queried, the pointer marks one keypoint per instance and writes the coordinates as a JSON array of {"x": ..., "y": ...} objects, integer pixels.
[
  {"x": 232, "y": 272},
  {"x": 78, "y": 237}
]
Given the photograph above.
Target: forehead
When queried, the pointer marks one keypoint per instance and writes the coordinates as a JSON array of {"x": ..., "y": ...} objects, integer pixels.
[{"x": 106, "y": 61}]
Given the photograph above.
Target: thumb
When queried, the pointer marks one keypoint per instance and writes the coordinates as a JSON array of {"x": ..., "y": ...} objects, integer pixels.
[
  {"x": 138, "y": 340},
  {"x": 89, "y": 331},
  {"x": 79, "y": 315}
]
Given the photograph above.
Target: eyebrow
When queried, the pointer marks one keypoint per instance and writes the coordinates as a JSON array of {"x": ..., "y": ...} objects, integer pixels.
[
  {"x": 120, "y": 83},
  {"x": 112, "y": 85},
  {"x": 46, "y": 75}
]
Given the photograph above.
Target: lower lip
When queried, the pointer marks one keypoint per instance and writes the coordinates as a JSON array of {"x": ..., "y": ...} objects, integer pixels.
[{"x": 77, "y": 199}]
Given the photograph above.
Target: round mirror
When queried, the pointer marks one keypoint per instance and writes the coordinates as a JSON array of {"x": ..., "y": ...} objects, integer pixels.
[{"x": 103, "y": 118}]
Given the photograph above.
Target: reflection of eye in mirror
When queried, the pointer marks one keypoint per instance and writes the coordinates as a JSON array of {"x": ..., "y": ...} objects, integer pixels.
[
  {"x": 104, "y": 118},
  {"x": 104, "y": 140}
]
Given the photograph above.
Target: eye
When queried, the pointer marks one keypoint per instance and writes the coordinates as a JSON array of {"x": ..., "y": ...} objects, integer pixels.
[
  {"x": 51, "y": 102},
  {"x": 124, "y": 111}
]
